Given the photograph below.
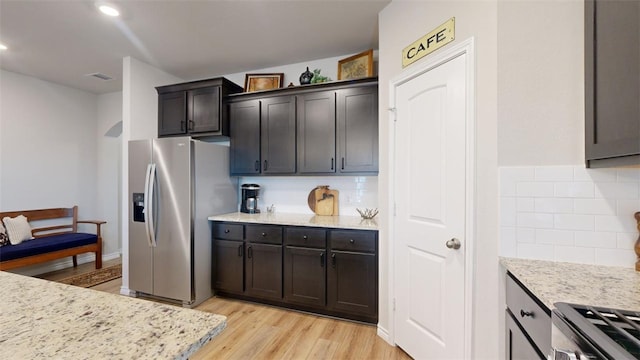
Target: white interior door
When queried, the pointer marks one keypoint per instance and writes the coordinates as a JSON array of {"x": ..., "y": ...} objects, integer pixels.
[{"x": 430, "y": 189}]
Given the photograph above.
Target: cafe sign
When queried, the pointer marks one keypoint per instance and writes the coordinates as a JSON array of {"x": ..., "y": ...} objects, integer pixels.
[{"x": 437, "y": 38}]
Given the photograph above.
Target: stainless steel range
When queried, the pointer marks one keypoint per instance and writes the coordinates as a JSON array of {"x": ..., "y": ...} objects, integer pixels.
[{"x": 589, "y": 332}]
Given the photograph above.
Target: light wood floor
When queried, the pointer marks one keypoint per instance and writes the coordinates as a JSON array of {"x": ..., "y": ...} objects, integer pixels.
[{"x": 257, "y": 331}]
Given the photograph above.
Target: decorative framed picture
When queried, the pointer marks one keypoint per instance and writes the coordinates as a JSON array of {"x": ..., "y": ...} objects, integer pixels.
[
  {"x": 257, "y": 82},
  {"x": 356, "y": 66}
]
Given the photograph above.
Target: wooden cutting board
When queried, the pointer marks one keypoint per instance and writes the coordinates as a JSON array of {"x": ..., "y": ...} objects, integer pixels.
[{"x": 323, "y": 201}]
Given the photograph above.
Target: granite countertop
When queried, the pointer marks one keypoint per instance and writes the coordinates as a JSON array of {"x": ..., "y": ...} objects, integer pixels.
[
  {"x": 551, "y": 282},
  {"x": 339, "y": 222},
  {"x": 41, "y": 319}
]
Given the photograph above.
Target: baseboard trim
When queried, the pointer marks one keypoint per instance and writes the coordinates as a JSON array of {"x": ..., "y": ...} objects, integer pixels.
[
  {"x": 62, "y": 264},
  {"x": 384, "y": 334}
]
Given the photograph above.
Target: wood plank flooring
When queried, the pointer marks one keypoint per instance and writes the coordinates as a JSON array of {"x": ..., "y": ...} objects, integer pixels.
[{"x": 257, "y": 331}]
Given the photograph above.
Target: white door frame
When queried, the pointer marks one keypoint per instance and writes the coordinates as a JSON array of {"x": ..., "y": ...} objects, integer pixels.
[{"x": 465, "y": 47}]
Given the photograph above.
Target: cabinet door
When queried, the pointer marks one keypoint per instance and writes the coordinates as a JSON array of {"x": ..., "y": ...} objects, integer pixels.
[
  {"x": 305, "y": 276},
  {"x": 278, "y": 122},
  {"x": 264, "y": 271},
  {"x": 228, "y": 266},
  {"x": 612, "y": 81},
  {"x": 357, "y": 118},
  {"x": 204, "y": 110},
  {"x": 172, "y": 113},
  {"x": 518, "y": 346},
  {"x": 316, "y": 132},
  {"x": 352, "y": 283},
  {"x": 245, "y": 137}
]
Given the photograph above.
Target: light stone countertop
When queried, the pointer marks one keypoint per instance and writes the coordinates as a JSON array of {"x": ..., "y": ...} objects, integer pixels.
[
  {"x": 339, "y": 222},
  {"x": 41, "y": 319},
  {"x": 551, "y": 282}
]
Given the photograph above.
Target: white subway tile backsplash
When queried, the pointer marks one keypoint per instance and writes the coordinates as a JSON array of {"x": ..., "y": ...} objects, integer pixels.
[
  {"x": 574, "y": 190},
  {"x": 554, "y": 173},
  {"x": 535, "y": 220},
  {"x": 509, "y": 176},
  {"x": 617, "y": 190},
  {"x": 615, "y": 257},
  {"x": 508, "y": 245},
  {"x": 626, "y": 240},
  {"x": 614, "y": 223},
  {"x": 596, "y": 239},
  {"x": 534, "y": 189},
  {"x": 525, "y": 235},
  {"x": 570, "y": 213},
  {"x": 595, "y": 206},
  {"x": 554, "y": 237},
  {"x": 535, "y": 251},
  {"x": 525, "y": 205},
  {"x": 573, "y": 222},
  {"x": 554, "y": 205},
  {"x": 629, "y": 175},
  {"x": 580, "y": 173},
  {"x": 576, "y": 255},
  {"x": 508, "y": 211}
]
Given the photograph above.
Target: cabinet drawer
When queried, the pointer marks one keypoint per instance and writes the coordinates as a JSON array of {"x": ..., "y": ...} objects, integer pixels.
[
  {"x": 306, "y": 237},
  {"x": 264, "y": 234},
  {"x": 228, "y": 231},
  {"x": 349, "y": 240},
  {"x": 534, "y": 319}
]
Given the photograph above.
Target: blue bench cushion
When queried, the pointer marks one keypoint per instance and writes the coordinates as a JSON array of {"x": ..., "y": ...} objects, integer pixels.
[{"x": 45, "y": 245}]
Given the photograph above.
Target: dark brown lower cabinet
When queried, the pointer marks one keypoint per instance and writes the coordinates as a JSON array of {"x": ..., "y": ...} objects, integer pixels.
[
  {"x": 305, "y": 280},
  {"x": 352, "y": 280},
  {"x": 264, "y": 270},
  {"x": 326, "y": 271},
  {"x": 228, "y": 265},
  {"x": 518, "y": 345}
]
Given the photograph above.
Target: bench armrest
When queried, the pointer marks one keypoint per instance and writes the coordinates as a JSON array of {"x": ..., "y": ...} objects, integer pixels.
[{"x": 97, "y": 223}]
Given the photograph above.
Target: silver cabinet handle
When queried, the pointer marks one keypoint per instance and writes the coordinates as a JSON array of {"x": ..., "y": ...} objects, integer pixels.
[{"x": 453, "y": 244}]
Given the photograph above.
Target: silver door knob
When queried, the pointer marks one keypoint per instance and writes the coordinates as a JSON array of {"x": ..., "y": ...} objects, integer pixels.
[{"x": 453, "y": 244}]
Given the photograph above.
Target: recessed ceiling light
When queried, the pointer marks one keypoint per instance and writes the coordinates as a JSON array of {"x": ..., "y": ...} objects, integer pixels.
[
  {"x": 3, "y": 47},
  {"x": 108, "y": 10}
]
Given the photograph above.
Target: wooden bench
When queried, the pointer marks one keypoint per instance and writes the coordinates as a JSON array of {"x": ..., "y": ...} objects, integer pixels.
[{"x": 52, "y": 242}]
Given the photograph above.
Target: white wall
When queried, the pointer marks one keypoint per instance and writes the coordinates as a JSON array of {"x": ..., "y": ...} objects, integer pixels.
[
  {"x": 50, "y": 153},
  {"x": 540, "y": 82},
  {"x": 401, "y": 23},
  {"x": 108, "y": 139},
  {"x": 139, "y": 121}
]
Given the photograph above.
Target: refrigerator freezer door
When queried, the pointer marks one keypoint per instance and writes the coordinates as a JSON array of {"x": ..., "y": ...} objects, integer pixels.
[
  {"x": 140, "y": 253},
  {"x": 172, "y": 254}
]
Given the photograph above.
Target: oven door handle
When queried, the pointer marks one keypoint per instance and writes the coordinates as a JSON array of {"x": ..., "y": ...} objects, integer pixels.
[{"x": 564, "y": 355}]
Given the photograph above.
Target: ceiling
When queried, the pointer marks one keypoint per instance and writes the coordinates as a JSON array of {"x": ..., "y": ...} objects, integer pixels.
[{"x": 62, "y": 41}]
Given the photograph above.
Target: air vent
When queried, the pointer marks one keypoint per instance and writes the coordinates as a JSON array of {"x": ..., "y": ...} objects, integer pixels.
[{"x": 100, "y": 76}]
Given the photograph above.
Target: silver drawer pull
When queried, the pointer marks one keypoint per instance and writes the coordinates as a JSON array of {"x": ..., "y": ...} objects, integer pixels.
[{"x": 526, "y": 313}]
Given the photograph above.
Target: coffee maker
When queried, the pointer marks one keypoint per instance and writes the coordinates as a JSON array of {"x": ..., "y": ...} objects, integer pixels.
[{"x": 249, "y": 203}]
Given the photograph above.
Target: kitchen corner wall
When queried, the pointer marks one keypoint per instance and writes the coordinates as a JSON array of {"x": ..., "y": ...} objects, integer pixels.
[
  {"x": 289, "y": 194},
  {"x": 569, "y": 213}
]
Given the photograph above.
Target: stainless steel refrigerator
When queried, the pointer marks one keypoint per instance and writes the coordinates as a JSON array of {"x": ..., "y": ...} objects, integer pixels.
[{"x": 175, "y": 184}]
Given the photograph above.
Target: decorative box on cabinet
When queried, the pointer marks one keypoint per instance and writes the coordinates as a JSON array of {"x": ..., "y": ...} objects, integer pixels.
[
  {"x": 322, "y": 129},
  {"x": 528, "y": 323},
  {"x": 612, "y": 83},
  {"x": 195, "y": 108},
  {"x": 326, "y": 271}
]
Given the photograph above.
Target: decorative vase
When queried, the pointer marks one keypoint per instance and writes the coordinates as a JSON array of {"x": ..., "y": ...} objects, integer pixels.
[{"x": 305, "y": 77}]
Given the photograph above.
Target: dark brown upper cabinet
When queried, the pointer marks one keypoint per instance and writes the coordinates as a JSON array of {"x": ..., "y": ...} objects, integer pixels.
[
  {"x": 320, "y": 129},
  {"x": 196, "y": 108},
  {"x": 316, "y": 132},
  {"x": 612, "y": 83}
]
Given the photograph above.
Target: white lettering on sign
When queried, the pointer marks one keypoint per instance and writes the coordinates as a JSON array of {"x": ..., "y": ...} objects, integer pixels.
[{"x": 429, "y": 43}]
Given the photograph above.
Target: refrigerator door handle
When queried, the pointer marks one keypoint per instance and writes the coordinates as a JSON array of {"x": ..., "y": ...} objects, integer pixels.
[
  {"x": 146, "y": 203},
  {"x": 151, "y": 222}
]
